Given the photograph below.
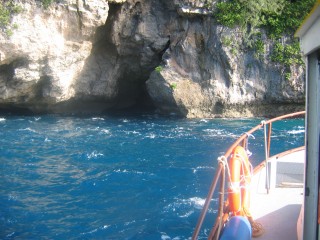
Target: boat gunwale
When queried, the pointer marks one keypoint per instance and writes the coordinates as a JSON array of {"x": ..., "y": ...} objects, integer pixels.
[
  {"x": 261, "y": 165},
  {"x": 229, "y": 151}
]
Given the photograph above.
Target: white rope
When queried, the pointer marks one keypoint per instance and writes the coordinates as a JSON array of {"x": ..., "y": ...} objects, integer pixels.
[
  {"x": 224, "y": 161},
  {"x": 250, "y": 135},
  {"x": 247, "y": 144},
  {"x": 237, "y": 185},
  {"x": 243, "y": 165}
]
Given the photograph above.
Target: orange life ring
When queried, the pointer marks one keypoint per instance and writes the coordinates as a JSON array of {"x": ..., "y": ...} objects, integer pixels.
[{"x": 240, "y": 178}]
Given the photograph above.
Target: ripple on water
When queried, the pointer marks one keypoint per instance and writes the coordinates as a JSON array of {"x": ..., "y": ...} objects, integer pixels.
[{"x": 111, "y": 178}]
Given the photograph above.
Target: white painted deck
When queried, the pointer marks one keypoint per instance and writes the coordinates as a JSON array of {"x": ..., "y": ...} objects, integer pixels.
[{"x": 279, "y": 210}]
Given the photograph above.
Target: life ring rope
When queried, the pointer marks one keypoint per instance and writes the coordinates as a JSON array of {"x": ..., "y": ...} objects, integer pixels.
[
  {"x": 239, "y": 173},
  {"x": 243, "y": 176}
]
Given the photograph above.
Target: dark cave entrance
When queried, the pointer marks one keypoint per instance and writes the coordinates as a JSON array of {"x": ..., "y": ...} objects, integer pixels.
[{"x": 133, "y": 101}]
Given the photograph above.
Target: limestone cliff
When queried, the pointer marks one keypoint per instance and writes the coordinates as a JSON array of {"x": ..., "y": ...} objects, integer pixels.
[{"x": 96, "y": 55}]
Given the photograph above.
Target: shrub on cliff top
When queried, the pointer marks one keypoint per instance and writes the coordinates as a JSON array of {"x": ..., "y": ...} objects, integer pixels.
[
  {"x": 46, "y": 3},
  {"x": 10, "y": 7},
  {"x": 4, "y": 15},
  {"x": 277, "y": 17},
  {"x": 7, "y": 9}
]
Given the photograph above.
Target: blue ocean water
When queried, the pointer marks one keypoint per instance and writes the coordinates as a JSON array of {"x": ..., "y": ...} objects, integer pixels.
[{"x": 106, "y": 177}]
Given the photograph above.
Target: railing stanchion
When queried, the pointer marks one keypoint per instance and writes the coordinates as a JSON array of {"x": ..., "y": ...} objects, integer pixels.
[
  {"x": 207, "y": 202},
  {"x": 266, "y": 156},
  {"x": 269, "y": 139}
]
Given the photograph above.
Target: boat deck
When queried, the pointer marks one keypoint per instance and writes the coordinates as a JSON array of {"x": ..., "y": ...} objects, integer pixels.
[{"x": 279, "y": 210}]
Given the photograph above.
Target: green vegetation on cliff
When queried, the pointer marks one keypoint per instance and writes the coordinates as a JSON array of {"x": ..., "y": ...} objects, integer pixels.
[
  {"x": 46, "y": 3},
  {"x": 7, "y": 9},
  {"x": 10, "y": 7},
  {"x": 278, "y": 18}
]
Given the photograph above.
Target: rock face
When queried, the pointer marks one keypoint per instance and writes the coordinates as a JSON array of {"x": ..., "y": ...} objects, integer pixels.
[
  {"x": 96, "y": 55},
  {"x": 43, "y": 59}
]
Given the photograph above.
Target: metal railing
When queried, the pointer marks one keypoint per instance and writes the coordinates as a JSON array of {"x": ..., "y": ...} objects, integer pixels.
[{"x": 242, "y": 141}]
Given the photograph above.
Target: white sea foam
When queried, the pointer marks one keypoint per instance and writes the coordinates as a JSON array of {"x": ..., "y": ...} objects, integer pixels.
[
  {"x": 132, "y": 172},
  {"x": 121, "y": 171},
  {"x": 197, "y": 202},
  {"x": 185, "y": 205},
  {"x": 201, "y": 168},
  {"x": 187, "y": 214},
  {"x": 134, "y": 132},
  {"x": 12, "y": 198},
  {"x": 96, "y": 230},
  {"x": 217, "y": 132},
  {"x": 27, "y": 129},
  {"x": 296, "y": 131},
  {"x": 164, "y": 236},
  {"x": 210, "y": 130},
  {"x": 128, "y": 223},
  {"x": 94, "y": 154},
  {"x": 10, "y": 235},
  {"x": 2, "y": 119},
  {"x": 152, "y": 136},
  {"x": 105, "y": 131},
  {"x": 97, "y": 119}
]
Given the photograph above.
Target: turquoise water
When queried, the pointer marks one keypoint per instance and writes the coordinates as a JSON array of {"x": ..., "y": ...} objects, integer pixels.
[{"x": 115, "y": 177}]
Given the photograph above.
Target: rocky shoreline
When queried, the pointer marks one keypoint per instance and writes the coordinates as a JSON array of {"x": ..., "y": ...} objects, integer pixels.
[{"x": 96, "y": 56}]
